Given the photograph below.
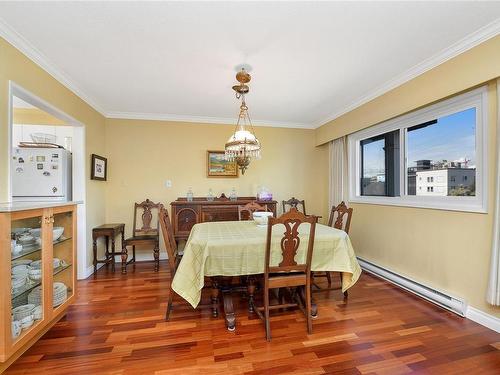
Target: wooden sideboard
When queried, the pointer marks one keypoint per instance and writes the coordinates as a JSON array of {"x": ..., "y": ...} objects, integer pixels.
[{"x": 186, "y": 214}]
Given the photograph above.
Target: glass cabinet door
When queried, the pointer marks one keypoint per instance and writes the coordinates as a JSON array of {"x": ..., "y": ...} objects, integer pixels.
[
  {"x": 62, "y": 262},
  {"x": 26, "y": 275}
]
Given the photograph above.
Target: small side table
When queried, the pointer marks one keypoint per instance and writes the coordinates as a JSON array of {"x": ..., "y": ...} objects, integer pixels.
[{"x": 108, "y": 231}]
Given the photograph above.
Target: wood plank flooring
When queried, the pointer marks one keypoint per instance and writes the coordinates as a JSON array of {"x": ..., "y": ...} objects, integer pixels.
[{"x": 117, "y": 327}]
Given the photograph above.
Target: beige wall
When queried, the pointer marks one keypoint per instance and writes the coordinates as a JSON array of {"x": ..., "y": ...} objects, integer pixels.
[
  {"x": 444, "y": 249},
  {"x": 34, "y": 116},
  {"x": 17, "y": 67},
  {"x": 142, "y": 155}
]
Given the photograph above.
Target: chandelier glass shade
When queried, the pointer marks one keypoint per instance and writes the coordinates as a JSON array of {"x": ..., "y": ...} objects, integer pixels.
[{"x": 243, "y": 145}]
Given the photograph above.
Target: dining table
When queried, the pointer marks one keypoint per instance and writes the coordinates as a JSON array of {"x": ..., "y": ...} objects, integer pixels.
[{"x": 237, "y": 248}]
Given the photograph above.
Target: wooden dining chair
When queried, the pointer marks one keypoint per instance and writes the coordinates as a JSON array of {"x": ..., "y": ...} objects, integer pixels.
[
  {"x": 340, "y": 218},
  {"x": 245, "y": 212},
  {"x": 294, "y": 203},
  {"x": 174, "y": 257},
  {"x": 288, "y": 273},
  {"x": 144, "y": 233}
]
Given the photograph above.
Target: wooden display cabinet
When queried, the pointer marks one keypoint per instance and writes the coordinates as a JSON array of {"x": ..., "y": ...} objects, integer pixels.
[{"x": 51, "y": 275}]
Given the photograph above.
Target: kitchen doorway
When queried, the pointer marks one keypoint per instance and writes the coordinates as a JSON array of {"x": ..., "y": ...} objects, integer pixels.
[{"x": 32, "y": 119}]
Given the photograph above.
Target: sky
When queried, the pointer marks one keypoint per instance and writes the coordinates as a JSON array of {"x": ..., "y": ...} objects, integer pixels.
[{"x": 451, "y": 138}]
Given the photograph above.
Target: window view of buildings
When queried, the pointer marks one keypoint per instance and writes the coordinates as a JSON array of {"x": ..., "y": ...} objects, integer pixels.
[{"x": 442, "y": 178}]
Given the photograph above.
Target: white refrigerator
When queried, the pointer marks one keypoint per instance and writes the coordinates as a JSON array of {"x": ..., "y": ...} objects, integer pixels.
[{"x": 41, "y": 174}]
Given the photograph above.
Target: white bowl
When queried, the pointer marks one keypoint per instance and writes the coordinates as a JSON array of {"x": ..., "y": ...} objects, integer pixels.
[
  {"x": 16, "y": 329},
  {"x": 26, "y": 239},
  {"x": 57, "y": 233},
  {"x": 19, "y": 270},
  {"x": 27, "y": 322},
  {"x": 261, "y": 217},
  {"x": 20, "y": 230},
  {"x": 36, "y": 232},
  {"x": 56, "y": 262},
  {"x": 23, "y": 311}
]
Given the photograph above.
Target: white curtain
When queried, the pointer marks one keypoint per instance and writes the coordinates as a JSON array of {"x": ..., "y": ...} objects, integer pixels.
[
  {"x": 338, "y": 171},
  {"x": 493, "y": 294}
]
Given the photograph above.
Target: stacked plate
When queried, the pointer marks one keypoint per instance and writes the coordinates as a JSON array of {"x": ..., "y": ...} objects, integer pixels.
[{"x": 60, "y": 294}]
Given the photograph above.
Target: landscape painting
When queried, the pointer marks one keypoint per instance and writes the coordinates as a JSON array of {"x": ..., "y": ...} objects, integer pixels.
[{"x": 218, "y": 166}]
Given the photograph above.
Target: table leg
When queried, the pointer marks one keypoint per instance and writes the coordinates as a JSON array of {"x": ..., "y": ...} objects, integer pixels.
[
  {"x": 214, "y": 296},
  {"x": 94, "y": 251},
  {"x": 229, "y": 315},
  {"x": 113, "y": 254},
  {"x": 314, "y": 307},
  {"x": 106, "y": 254},
  {"x": 250, "y": 291}
]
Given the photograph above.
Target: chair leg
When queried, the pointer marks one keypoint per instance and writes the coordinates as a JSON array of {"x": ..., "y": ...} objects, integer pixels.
[
  {"x": 266, "y": 314},
  {"x": 124, "y": 259},
  {"x": 329, "y": 278},
  {"x": 308, "y": 309},
  {"x": 156, "y": 253},
  {"x": 133, "y": 254},
  {"x": 169, "y": 304}
]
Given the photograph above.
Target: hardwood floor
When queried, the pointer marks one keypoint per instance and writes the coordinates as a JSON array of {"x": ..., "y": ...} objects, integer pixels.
[{"x": 117, "y": 327}]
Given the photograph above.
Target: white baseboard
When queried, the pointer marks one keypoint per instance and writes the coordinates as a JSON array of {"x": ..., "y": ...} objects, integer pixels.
[
  {"x": 89, "y": 271},
  {"x": 483, "y": 318},
  {"x": 469, "y": 312}
]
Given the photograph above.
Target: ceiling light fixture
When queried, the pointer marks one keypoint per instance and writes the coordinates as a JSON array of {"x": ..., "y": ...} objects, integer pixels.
[{"x": 243, "y": 145}]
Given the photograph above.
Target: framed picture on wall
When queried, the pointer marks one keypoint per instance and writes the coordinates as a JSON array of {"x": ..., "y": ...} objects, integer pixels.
[
  {"x": 218, "y": 166},
  {"x": 99, "y": 169}
]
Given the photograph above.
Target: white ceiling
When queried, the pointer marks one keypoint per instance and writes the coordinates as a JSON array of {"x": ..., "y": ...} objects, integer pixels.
[{"x": 175, "y": 60}]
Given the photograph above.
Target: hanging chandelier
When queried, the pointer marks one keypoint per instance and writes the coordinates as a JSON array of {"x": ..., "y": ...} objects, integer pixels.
[{"x": 243, "y": 145}]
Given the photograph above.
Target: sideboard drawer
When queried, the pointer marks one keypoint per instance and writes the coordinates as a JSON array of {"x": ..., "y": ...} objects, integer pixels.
[{"x": 219, "y": 213}]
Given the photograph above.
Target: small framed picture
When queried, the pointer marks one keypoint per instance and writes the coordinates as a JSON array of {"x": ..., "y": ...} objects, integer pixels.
[
  {"x": 218, "y": 166},
  {"x": 99, "y": 169}
]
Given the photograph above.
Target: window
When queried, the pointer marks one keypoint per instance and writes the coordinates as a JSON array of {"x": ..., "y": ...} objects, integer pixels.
[{"x": 415, "y": 160}]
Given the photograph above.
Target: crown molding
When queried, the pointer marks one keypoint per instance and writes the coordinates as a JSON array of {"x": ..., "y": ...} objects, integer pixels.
[
  {"x": 30, "y": 51},
  {"x": 201, "y": 119},
  {"x": 483, "y": 34}
]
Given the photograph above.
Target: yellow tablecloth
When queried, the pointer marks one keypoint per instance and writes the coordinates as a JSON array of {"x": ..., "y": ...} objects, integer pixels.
[{"x": 235, "y": 248}]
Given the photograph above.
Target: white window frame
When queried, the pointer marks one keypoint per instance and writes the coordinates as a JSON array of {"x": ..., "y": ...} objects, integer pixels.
[{"x": 479, "y": 203}]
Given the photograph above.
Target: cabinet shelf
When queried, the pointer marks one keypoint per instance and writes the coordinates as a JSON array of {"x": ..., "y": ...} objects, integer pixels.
[
  {"x": 27, "y": 250},
  {"x": 33, "y": 284}
]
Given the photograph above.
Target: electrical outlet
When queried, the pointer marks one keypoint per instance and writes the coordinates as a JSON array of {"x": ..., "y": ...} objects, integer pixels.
[{"x": 168, "y": 183}]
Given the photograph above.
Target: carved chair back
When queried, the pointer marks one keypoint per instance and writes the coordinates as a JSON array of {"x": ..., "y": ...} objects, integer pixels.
[
  {"x": 337, "y": 216},
  {"x": 294, "y": 203},
  {"x": 168, "y": 239},
  {"x": 245, "y": 212},
  {"x": 146, "y": 226},
  {"x": 290, "y": 242}
]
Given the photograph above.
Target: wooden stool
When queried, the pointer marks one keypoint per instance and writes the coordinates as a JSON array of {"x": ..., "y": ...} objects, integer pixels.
[{"x": 108, "y": 231}]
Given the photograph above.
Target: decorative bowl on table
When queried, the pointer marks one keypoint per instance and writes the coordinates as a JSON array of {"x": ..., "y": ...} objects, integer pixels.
[{"x": 261, "y": 217}]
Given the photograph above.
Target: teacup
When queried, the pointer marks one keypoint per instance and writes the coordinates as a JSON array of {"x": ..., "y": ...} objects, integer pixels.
[
  {"x": 16, "y": 329},
  {"x": 17, "y": 249}
]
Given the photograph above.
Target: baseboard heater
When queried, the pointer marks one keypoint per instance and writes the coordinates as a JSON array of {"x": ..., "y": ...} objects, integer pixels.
[{"x": 456, "y": 305}]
